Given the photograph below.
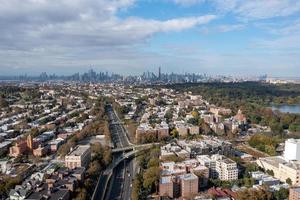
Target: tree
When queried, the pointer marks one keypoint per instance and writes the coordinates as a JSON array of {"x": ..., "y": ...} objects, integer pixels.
[
  {"x": 289, "y": 181},
  {"x": 81, "y": 194},
  {"x": 137, "y": 187},
  {"x": 94, "y": 168},
  {"x": 151, "y": 178},
  {"x": 3, "y": 102},
  {"x": 168, "y": 115},
  {"x": 195, "y": 114},
  {"x": 193, "y": 121},
  {"x": 282, "y": 193},
  {"x": 174, "y": 133},
  {"x": 153, "y": 162},
  {"x": 270, "y": 172}
]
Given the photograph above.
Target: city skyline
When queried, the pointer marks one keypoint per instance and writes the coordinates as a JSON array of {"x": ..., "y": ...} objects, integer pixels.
[{"x": 215, "y": 37}]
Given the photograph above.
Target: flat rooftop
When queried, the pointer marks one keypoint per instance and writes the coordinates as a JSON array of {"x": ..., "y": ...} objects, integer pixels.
[
  {"x": 79, "y": 150},
  {"x": 274, "y": 160},
  {"x": 189, "y": 176}
]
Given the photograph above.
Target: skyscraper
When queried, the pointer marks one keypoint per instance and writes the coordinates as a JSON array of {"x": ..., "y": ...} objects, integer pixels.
[{"x": 159, "y": 73}]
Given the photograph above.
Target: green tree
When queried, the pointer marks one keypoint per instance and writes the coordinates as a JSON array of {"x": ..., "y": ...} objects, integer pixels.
[
  {"x": 174, "y": 133},
  {"x": 270, "y": 172},
  {"x": 289, "y": 181},
  {"x": 81, "y": 194},
  {"x": 3, "y": 102},
  {"x": 282, "y": 193},
  {"x": 151, "y": 178}
]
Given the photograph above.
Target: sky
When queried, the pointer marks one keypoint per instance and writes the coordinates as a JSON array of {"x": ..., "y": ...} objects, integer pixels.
[{"x": 217, "y": 37}]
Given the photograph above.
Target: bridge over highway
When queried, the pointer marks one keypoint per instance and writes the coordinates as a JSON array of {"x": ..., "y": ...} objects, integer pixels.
[{"x": 133, "y": 147}]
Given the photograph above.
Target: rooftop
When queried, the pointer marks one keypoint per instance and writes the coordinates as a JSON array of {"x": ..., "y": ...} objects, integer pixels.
[
  {"x": 79, "y": 150},
  {"x": 189, "y": 176}
]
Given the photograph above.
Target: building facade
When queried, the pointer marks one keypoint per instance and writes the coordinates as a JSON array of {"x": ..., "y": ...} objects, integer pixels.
[{"x": 79, "y": 157}]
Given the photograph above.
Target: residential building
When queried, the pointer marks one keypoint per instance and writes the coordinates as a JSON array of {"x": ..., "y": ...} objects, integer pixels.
[
  {"x": 189, "y": 185},
  {"x": 226, "y": 168},
  {"x": 166, "y": 187},
  {"x": 162, "y": 130},
  {"x": 220, "y": 167},
  {"x": 282, "y": 169},
  {"x": 194, "y": 130},
  {"x": 292, "y": 149},
  {"x": 40, "y": 151},
  {"x": 79, "y": 157},
  {"x": 18, "y": 149},
  {"x": 206, "y": 161},
  {"x": 294, "y": 193},
  {"x": 182, "y": 129}
]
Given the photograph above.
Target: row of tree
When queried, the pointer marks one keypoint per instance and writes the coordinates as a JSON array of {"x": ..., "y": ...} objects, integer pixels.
[{"x": 147, "y": 180}]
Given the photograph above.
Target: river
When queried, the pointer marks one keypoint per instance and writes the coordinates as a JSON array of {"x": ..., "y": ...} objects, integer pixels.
[{"x": 287, "y": 108}]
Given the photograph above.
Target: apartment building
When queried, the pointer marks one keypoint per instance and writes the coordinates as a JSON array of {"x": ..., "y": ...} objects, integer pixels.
[
  {"x": 194, "y": 130},
  {"x": 292, "y": 149},
  {"x": 166, "y": 187},
  {"x": 294, "y": 193},
  {"x": 281, "y": 168},
  {"x": 226, "y": 169},
  {"x": 79, "y": 157},
  {"x": 189, "y": 185},
  {"x": 162, "y": 130},
  {"x": 219, "y": 166},
  {"x": 18, "y": 149},
  {"x": 206, "y": 161}
]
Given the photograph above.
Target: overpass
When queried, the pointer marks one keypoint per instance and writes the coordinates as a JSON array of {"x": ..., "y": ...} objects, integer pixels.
[
  {"x": 117, "y": 123},
  {"x": 133, "y": 147},
  {"x": 103, "y": 181},
  {"x": 118, "y": 161}
]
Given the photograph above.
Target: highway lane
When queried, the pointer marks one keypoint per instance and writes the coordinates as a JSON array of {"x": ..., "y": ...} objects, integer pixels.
[
  {"x": 121, "y": 181},
  {"x": 129, "y": 174}
]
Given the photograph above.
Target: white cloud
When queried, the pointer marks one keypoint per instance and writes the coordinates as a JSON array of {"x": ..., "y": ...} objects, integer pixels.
[
  {"x": 250, "y": 9},
  {"x": 264, "y": 9},
  {"x": 58, "y": 33},
  {"x": 222, "y": 28},
  {"x": 80, "y": 22},
  {"x": 187, "y": 2}
]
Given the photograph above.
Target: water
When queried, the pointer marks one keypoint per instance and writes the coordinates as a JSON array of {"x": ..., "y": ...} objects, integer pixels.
[{"x": 287, "y": 108}]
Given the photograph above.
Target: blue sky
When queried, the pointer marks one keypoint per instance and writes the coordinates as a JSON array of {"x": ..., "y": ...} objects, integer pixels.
[{"x": 230, "y": 37}]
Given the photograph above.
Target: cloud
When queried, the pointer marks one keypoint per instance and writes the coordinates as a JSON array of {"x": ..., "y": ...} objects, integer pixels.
[
  {"x": 57, "y": 33},
  {"x": 250, "y": 9},
  {"x": 222, "y": 28},
  {"x": 187, "y": 2},
  {"x": 264, "y": 9},
  {"x": 35, "y": 23}
]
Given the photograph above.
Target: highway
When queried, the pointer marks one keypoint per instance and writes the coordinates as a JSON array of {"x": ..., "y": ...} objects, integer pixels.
[{"x": 120, "y": 184}]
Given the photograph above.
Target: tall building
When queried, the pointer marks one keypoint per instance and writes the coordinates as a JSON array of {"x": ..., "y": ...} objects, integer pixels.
[
  {"x": 166, "y": 187},
  {"x": 79, "y": 157},
  {"x": 227, "y": 169},
  {"x": 292, "y": 149},
  {"x": 18, "y": 149},
  {"x": 189, "y": 185},
  {"x": 294, "y": 193},
  {"x": 220, "y": 167},
  {"x": 159, "y": 73}
]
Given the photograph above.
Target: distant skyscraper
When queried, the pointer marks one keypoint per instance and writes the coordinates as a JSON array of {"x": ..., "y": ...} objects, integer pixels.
[{"x": 159, "y": 73}]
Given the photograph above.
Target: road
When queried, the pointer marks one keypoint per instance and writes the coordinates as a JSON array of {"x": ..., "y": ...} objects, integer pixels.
[{"x": 121, "y": 180}]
